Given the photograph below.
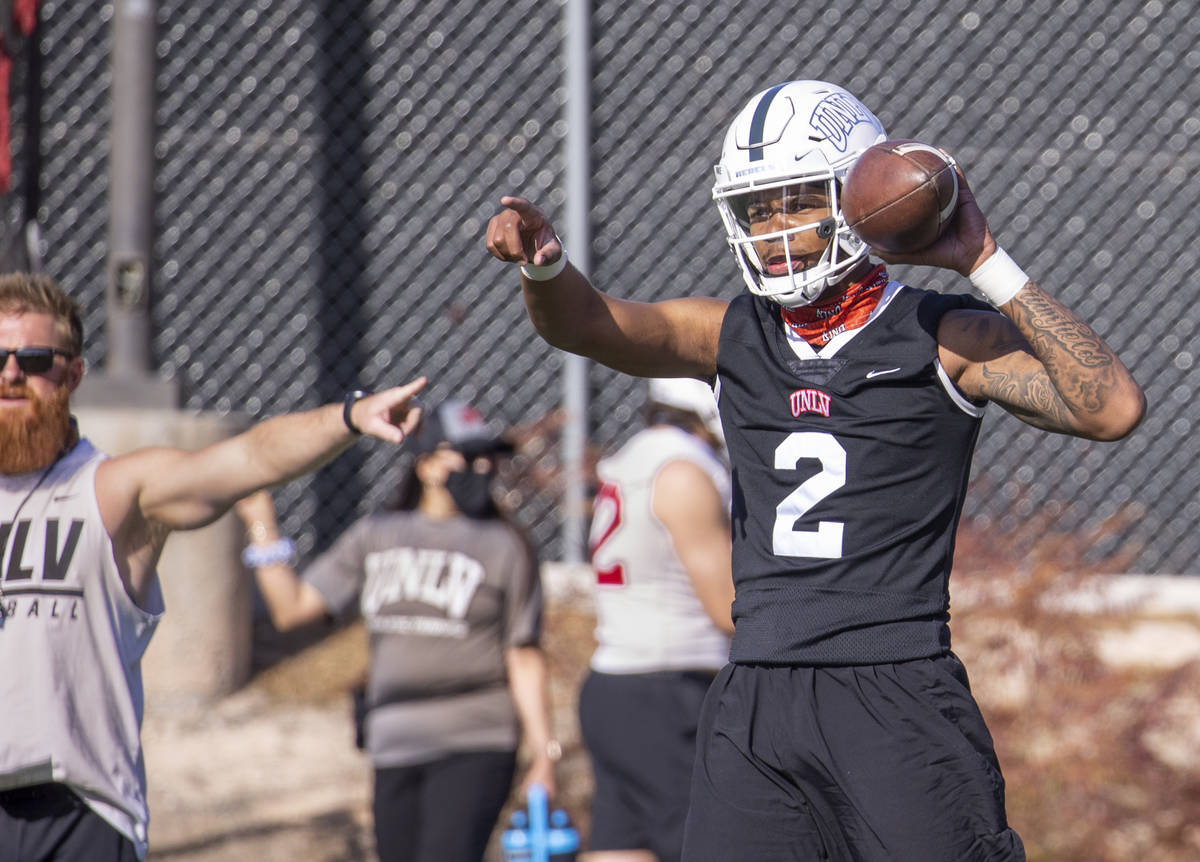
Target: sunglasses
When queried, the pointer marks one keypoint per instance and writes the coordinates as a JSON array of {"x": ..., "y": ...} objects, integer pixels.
[{"x": 33, "y": 360}]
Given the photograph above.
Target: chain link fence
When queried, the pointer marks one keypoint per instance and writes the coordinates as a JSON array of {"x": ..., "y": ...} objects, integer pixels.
[{"x": 326, "y": 169}]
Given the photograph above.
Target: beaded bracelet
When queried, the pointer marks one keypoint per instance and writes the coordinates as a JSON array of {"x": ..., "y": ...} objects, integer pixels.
[{"x": 279, "y": 551}]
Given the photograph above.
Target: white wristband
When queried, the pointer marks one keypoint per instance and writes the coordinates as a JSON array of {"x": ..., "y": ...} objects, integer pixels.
[
  {"x": 546, "y": 271},
  {"x": 998, "y": 278}
]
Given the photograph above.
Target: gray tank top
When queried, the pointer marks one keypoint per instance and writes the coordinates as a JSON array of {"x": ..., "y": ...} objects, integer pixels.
[{"x": 71, "y": 643}]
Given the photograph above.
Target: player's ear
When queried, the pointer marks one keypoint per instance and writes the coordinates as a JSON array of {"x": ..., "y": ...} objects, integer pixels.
[{"x": 76, "y": 368}]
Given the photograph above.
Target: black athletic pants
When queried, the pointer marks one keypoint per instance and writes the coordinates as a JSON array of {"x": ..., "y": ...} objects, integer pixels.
[
  {"x": 871, "y": 763},
  {"x": 442, "y": 811},
  {"x": 49, "y": 823},
  {"x": 640, "y": 731}
]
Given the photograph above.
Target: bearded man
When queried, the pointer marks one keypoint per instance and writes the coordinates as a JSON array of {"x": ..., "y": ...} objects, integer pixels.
[{"x": 80, "y": 535}]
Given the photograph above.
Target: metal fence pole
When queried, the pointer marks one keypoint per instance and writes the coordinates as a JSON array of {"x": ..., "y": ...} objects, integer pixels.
[
  {"x": 575, "y": 371},
  {"x": 131, "y": 192},
  {"x": 128, "y": 378}
]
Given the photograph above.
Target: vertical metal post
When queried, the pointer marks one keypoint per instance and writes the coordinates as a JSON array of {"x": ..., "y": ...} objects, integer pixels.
[
  {"x": 579, "y": 241},
  {"x": 131, "y": 189}
]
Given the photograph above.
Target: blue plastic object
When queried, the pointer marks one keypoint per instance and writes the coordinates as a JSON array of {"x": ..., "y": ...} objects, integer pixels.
[{"x": 537, "y": 835}]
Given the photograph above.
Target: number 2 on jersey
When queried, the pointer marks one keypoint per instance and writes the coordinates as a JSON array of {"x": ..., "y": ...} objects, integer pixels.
[
  {"x": 606, "y": 517},
  {"x": 826, "y": 541}
]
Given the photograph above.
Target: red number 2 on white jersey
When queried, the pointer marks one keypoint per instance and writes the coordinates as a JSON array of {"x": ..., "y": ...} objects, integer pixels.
[{"x": 606, "y": 518}]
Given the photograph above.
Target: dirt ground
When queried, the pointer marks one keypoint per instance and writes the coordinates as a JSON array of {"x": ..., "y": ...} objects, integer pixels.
[{"x": 1099, "y": 743}]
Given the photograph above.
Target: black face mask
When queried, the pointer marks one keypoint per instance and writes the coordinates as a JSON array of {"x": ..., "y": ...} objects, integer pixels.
[{"x": 472, "y": 493}]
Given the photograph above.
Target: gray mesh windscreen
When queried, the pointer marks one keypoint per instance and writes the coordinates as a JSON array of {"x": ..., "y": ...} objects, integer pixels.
[{"x": 325, "y": 171}]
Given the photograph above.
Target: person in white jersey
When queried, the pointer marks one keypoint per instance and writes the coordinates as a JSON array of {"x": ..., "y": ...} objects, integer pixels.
[
  {"x": 80, "y": 536},
  {"x": 660, "y": 549}
]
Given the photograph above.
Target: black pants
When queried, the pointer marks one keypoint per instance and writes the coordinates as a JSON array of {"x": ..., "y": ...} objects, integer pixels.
[
  {"x": 640, "y": 732},
  {"x": 49, "y": 823},
  {"x": 441, "y": 811},
  {"x": 874, "y": 763}
]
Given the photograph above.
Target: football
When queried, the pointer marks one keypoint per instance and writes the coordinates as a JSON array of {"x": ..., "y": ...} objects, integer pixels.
[{"x": 900, "y": 194}]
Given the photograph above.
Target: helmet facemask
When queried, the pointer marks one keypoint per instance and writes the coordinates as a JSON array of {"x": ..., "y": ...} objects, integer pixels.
[
  {"x": 772, "y": 227},
  {"x": 799, "y": 138}
]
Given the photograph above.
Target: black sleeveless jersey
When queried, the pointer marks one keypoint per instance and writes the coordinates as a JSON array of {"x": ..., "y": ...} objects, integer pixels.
[{"x": 849, "y": 473}]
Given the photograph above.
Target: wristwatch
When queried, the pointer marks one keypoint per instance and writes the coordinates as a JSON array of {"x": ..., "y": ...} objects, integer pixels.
[{"x": 351, "y": 399}]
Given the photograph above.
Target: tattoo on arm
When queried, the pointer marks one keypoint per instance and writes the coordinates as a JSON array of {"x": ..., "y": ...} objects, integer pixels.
[
  {"x": 1044, "y": 366},
  {"x": 1057, "y": 334},
  {"x": 1028, "y": 396},
  {"x": 1078, "y": 369}
]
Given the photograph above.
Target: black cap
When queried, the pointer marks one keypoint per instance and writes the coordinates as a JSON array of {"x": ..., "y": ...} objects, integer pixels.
[{"x": 461, "y": 427}]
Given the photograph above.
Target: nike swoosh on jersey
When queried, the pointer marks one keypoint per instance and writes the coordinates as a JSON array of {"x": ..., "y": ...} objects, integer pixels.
[{"x": 880, "y": 373}]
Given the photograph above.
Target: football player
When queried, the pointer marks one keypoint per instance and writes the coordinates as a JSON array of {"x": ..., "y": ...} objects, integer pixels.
[
  {"x": 660, "y": 551},
  {"x": 844, "y": 727}
]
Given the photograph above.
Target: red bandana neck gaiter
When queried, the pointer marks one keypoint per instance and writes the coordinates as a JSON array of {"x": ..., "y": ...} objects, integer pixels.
[{"x": 819, "y": 322}]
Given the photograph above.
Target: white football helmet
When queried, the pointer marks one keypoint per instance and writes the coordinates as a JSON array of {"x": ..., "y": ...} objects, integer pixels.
[
  {"x": 796, "y": 132},
  {"x": 690, "y": 394}
]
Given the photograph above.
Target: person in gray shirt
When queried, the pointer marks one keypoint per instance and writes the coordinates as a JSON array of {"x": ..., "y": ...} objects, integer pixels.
[{"x": 449, "y": 592}]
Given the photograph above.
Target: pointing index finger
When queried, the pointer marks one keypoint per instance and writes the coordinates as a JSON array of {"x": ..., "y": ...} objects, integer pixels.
[{"x": 513, "y": 202}]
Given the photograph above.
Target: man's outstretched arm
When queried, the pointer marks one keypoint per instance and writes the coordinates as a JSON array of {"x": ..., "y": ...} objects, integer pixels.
[
  {"x": 147, "y": 493},
  {"x": 673, "y": 338},
  {"x": 187, "y": 489}
]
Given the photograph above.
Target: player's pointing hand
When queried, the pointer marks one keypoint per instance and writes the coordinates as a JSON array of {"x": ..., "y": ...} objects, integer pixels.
[{"x": 521, "y": 233}]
